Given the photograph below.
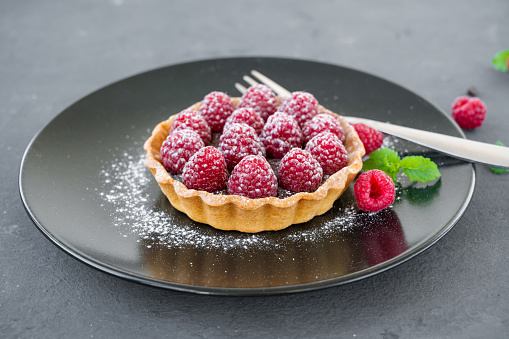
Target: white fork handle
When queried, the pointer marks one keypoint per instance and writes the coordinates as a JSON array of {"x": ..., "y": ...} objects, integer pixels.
[{"x": 464, "y": 149}]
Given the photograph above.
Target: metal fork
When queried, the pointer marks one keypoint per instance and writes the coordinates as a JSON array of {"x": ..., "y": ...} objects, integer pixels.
[{"x": 460, "y": 148}]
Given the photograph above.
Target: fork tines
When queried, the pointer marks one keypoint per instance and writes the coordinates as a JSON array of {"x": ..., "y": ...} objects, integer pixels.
[{"x": 278, "y": 89}]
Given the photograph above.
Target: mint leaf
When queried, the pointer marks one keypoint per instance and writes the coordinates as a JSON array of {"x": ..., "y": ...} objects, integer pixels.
[
  {"x": 418, "y": 168},
  {"x": 384, "y": 159},
  {"x": 499, "y": 170},
  {"x": 500, "y": 60}
]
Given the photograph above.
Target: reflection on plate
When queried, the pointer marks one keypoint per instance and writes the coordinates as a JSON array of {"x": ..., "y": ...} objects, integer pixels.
[
  {"x": 85, "y": 185},
  {"x": 280, "y": 261}
]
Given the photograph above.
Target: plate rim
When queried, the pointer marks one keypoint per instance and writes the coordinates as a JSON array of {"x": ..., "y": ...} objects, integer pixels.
[{"x": 250, "y": 291}]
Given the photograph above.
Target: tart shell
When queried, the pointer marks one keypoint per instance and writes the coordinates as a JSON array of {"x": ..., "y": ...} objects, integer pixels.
[{"x": 233, "y": 212}]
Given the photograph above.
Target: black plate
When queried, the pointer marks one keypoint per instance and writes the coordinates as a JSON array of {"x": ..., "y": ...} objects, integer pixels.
[{"x": 85, "y": 186}]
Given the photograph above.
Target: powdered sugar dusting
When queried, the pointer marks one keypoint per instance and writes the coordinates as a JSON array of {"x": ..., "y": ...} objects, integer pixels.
[
  {"x": 129, "y": 189},
  {"x": 126, "y": 183}
]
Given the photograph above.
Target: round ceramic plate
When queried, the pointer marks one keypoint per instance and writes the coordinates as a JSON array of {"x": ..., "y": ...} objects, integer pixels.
[{"x": 85, "y": 185}]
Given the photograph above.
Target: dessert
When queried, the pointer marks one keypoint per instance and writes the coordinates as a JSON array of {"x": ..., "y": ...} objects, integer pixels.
[
  {"x": 193, "y": 120},
  {"x": 374, "y": 190},
  {"x": 249, "y": 183},
  {"x": 253, "y": 178},
  {"x": 216, "y": 107},
  {"x": 206, "y": 170},
  {"x": 322, "y": 123},
  {"x": 299, "y": 172},
  {"x": 239, "y": 141},
  {"x": 246, "y": 116},
  {"x": 371, "y": 138},
  {"x": 261, "y": 99},
  {"x": 302, "y": 106},
  {"x": 329, "y": 151},
  {"x": 280, "y": 134},
  {"x": 178, "y": 148}
]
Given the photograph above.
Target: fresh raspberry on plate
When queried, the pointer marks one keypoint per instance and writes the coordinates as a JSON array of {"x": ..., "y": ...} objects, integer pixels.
[
  {"x": 178, "y": 148},
  {"x": 322, "y": 123},
  {"x": 468, "y": 112},
  {"x": 261, "y": 99},
  {"x": 370, "y": 137},
  {"x": 280, "y": 134},
  {"x": 374, "y": 190},
  {"x": 206, "y": 170},
  {"x": 253, "y": 178},
  {"x": 193, "y": 120},
  {"x": 302, "y": 106},
  {"x": 329, "y": 151},
  {"x": 216, "y": 107},
  {"x": 246, "y": 116},
  {"x": 238, "y": 141},
  {"x": 299, "y": 172}
]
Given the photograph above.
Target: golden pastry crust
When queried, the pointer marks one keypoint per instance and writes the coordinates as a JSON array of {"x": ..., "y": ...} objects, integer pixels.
[{"x": 233, "y": 212}]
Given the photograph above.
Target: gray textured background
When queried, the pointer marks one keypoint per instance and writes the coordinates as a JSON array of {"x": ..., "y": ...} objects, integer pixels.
[{"x": 55, "y": 52}]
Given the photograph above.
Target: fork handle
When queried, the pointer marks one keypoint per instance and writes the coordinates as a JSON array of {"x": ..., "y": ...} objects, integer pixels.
[{"x": 460, "y": 148}]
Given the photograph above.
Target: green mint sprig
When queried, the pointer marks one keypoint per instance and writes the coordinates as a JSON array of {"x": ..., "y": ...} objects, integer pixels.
[
  {"x": 415, "y": 167},
  {"x": 499, "y": 170},
  {"x": 500, "y": 60}
]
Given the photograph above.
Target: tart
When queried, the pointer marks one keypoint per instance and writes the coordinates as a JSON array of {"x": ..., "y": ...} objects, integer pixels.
[{"x": 240, "y": 213}]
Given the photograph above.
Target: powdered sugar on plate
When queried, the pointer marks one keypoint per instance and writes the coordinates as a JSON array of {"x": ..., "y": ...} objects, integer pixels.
[{"x": 129, "y": 190}]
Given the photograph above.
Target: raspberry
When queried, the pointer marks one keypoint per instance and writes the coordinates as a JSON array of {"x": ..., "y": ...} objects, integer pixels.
[
  {"x": 238, "y": 141},
  {"x": 370, "y": 137},
  {"x": 301, "y": 105},
  {"x": 261, "y": 99},
  {"x": 299, "y": 171},
  {"x": 192, "y": 120},
  {"x": 178, "y": 148},
  {"x": 468, "y": 112},
  {"x": 280, "y": 134},
  {"x": 329, "y": 151},
  {"x": 246, "y": 116},
  {"x": 216, "y": 107},
  {"x": 322, "y": 123},
  {"x": 253, "y": 178},
  {"x": 374, "y": 190},
  {"x": 206, "y": 170}
]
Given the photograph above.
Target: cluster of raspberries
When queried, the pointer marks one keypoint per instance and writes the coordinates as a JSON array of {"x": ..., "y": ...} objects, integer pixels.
[{"x": 308, "y": 143}]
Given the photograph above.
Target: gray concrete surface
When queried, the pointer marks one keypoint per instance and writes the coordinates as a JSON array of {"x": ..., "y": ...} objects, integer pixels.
[{"x": 52, "y": 53}]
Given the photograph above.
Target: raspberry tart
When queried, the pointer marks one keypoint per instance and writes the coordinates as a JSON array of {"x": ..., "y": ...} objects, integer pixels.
[{"x": 252, "y": 178}]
